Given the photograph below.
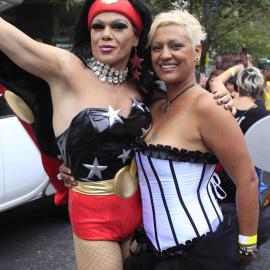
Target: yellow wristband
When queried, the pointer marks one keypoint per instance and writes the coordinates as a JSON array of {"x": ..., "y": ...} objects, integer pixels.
[
  {"x": 247, "y": 240},
  {"x": 232, "y": 71}
]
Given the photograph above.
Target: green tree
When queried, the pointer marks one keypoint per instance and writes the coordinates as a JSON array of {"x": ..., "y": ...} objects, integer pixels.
[{"x": 229, "y": 23}]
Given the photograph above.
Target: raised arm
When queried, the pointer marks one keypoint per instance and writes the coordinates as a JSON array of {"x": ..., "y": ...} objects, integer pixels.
[
  {"x": 223, "y": 137},
  {"x": 37, "y": 58},
  {"x": 228, "y": 73}
]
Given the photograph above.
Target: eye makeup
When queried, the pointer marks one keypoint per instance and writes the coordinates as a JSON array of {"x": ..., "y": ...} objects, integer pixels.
[
  {"x": 97, "y": 25},
  {"x": 117, "y": 25}
]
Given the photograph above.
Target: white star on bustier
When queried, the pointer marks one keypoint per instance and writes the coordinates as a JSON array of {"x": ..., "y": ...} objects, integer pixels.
[
  {"x": 95, "y": 169},
  {"x": 113, "y": 116},
  {"x": 125, "y": 156},
  {"x": 138, "y": 104}
]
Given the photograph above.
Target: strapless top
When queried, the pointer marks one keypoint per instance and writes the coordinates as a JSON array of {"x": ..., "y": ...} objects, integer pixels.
[
  {"x": 97, "y": 142},
  {"x": 178, "y": 190}
]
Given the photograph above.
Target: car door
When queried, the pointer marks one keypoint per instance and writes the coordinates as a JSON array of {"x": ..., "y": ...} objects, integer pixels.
[
  {"x": 4, "y": 113},
  {"x": 22, "y": 175}
]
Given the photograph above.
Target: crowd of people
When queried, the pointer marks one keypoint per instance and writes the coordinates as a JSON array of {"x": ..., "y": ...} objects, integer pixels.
[{"x": 112, "y": 123}]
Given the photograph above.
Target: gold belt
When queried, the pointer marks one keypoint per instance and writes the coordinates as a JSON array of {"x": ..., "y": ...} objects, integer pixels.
[{"x": 124, "y": 184}]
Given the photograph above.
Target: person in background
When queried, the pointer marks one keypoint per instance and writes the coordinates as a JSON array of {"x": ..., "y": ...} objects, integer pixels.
[
  {"x": 266, "y": 93},
  {"x": 232, "y": 86},
  {"x": 250, "y": 83},
  {"x": 213, "y": 74}
]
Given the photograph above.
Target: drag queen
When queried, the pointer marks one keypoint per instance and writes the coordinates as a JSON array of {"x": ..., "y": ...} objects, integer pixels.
[{"x": 97, "y": 112}]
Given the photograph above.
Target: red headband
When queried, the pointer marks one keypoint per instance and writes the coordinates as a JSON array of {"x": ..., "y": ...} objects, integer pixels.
[{"x": 123, "y": 7}]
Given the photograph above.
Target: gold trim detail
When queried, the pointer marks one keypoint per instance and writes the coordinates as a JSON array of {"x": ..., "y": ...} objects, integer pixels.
[
  {"x": 19, "y": 107},
  {"x": 124, "y": 184}
]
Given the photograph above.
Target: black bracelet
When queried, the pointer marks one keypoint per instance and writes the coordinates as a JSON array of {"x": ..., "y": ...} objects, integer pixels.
[{"x": 247, "y": 250}]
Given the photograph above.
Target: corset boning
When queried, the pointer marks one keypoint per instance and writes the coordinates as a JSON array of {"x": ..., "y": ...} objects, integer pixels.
[{"x": 178, "y": 196}]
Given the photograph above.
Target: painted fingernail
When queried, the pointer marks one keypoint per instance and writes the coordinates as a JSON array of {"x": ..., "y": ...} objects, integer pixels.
[{"x": 59, "y": 177}]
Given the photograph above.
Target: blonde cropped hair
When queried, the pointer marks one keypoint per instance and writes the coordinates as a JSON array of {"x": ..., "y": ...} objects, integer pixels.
[
  {"x": 250, "y": 82},
  {"x": 182, "y": 18}
]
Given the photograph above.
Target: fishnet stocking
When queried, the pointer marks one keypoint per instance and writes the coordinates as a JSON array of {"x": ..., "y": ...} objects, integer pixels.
[{"x": 97, "y": 255}]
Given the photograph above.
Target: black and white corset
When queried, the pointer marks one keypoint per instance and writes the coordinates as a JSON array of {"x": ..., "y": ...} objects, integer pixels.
[{"x": 177, "y": 189}]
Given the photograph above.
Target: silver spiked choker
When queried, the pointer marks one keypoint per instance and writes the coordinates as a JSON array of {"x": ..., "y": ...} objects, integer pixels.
[{"x": 106, "y": 73}]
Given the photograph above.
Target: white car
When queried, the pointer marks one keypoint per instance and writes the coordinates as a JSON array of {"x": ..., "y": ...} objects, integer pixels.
[{"x": 22, "y": 177}]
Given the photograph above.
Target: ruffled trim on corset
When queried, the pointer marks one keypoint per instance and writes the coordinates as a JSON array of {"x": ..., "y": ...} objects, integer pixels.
[
  {"x": 144, "y": 244},
  {"x": 167, "y": 152}
]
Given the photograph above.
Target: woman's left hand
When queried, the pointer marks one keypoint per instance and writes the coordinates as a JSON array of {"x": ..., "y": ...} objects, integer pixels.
[{"x": 223, "y": 97}]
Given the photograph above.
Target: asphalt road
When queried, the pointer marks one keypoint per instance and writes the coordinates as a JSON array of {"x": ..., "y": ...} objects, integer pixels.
[{"x": 36, "y": 236}]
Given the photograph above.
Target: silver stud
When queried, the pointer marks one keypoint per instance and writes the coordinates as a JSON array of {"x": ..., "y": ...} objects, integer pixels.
[
  {"x": 104, "y": 71},
  {"x": 97, "y": 73},
  {"x": 103, "y": 78}
]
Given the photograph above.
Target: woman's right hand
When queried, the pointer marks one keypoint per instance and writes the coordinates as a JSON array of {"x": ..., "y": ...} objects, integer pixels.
[{"x": 65, "y": 175}]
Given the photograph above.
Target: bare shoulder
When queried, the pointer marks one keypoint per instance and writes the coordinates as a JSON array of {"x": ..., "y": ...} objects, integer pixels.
[
  {"x": 69, "y": 63},
  {"x": 67, "y": 57},
  {"x": 205, "y": 104},
  {"x": 68, "y": 69}
]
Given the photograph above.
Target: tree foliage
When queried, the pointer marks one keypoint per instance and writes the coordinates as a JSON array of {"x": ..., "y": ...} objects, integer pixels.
[{"x": 229, "y": 23}]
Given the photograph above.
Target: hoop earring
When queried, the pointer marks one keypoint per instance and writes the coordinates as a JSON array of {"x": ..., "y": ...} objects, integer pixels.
[{"x": 136, "y": 66}]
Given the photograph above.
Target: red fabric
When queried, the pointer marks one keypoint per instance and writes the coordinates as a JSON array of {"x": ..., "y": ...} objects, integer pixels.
[
  {"x": 104, "y": 217},
  {"x": 1, "y": 89},
  {"x": 50, "y": 165},
  {"x": 218, "y": 168},
  {"x": 123, "y": 7}
]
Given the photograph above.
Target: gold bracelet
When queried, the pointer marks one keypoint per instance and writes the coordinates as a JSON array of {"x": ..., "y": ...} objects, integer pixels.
[{"x": 231, "y": 69}]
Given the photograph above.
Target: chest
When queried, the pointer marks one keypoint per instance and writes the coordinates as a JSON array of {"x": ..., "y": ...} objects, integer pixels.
[{"x": 171, "y": 127}]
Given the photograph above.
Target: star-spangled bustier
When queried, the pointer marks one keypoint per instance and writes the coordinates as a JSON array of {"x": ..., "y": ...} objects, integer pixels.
[{"x": 97, "y": 142}]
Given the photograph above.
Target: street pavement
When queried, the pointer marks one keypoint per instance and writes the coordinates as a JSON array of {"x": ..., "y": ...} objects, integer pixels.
[{"x": 36, "y": 236}]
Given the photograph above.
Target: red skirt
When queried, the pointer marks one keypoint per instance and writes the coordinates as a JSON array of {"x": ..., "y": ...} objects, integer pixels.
[{"x": 107, "y": 217}]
